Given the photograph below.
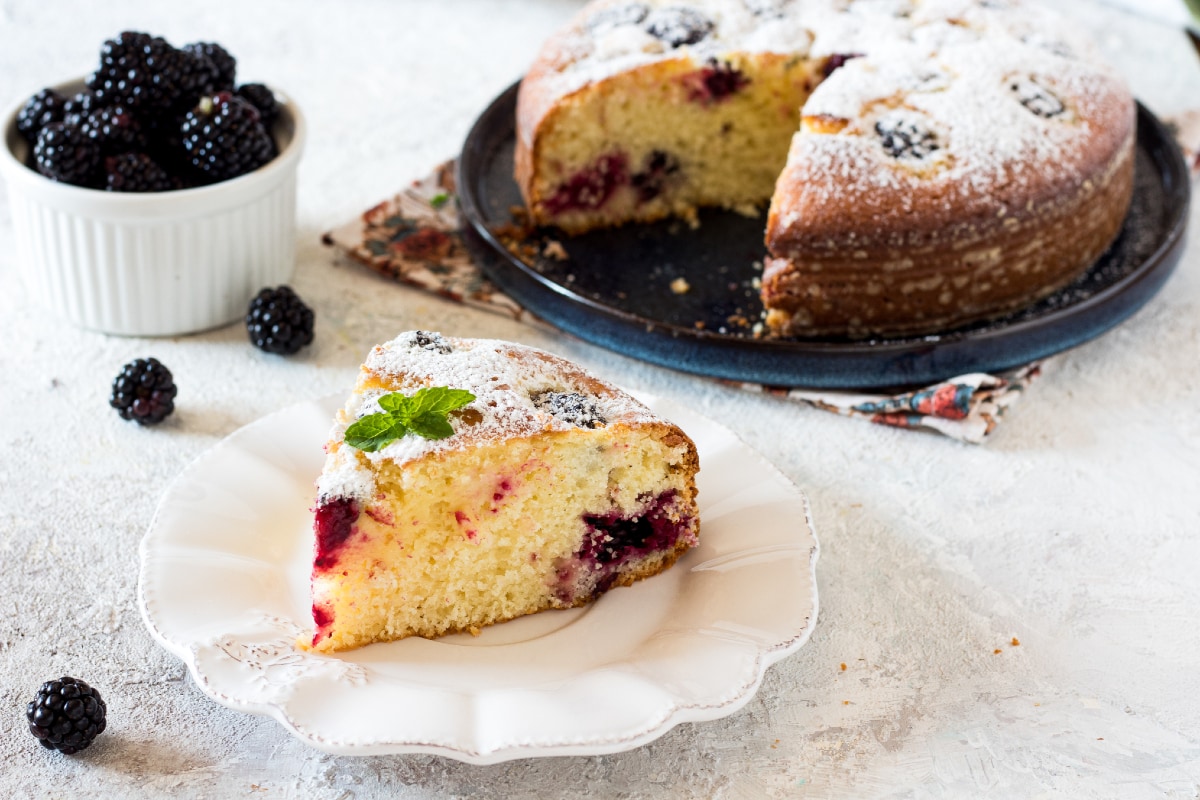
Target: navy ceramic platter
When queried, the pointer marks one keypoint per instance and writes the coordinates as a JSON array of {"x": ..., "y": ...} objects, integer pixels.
[{"x": 614, "y": 288}]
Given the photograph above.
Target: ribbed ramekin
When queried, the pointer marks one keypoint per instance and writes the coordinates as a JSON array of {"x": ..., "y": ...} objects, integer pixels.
[{"x": 154, "y": 264}]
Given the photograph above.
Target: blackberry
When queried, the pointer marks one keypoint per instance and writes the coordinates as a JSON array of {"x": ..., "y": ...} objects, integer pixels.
[
  {"x": 432, "y": 341},
  {"x": 140, "y": 71},
  {"x": 903, "y": 138},
  {"x": 223, "y": 64},
  {"x": 114, "y": 129},
  {"x": 677, "y": 26},
  {"x": 144, "y": 392},
  {"x": 135, "y": 172},
  {"x": 658, "y": 169},
  {"x": 1037, "y": 98},
  {"x": 66, "y": 715},
  {"x": 65, "y": 153},
  {"x": 77, "y": 108},
  {"x": 262, "y": 98},
  {"x": 571, "y": 407},
  {"x": 39, "y": 111},
  {"x": 198, "y": 75},
  {"x": 279, "y": 322},
  {"x": 224, "y": 137}
]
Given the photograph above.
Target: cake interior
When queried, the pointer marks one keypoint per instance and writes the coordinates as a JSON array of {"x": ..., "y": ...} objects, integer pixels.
[
  {"x": 478, "y": 536},
  {"x": 671, "y": 136}
]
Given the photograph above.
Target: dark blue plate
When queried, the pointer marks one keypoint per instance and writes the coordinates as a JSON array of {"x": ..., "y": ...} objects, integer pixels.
[{"x": 614, "y": 287}]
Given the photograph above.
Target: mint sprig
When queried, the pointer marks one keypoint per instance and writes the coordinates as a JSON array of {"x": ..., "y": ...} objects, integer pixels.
[{"x": 425, "y": 414}]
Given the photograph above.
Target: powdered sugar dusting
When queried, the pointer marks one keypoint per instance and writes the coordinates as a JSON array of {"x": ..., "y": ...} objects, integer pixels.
[{"x": 505, "y": 379}]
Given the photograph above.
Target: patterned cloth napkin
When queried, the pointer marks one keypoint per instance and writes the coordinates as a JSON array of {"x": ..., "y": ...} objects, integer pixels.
[{"x": 414, "y": 238}]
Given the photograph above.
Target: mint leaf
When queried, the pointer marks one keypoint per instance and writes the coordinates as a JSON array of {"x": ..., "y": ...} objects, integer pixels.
[
  {"x": 423, "y": 414},
  {"x": 431, "y": 426},
  {"x": 393, "y": 402},
  {"x": 440, "y": 199},
  {"x": 437, "y": 400},
  {"x": 374, "y": 431}
]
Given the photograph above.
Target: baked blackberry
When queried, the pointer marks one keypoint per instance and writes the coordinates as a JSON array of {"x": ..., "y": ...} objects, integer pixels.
[
  {"x": 1037, "y": 98},
  {"x": 261, "y": 98},
  {"x": 677, "y": 26},
  {"x": 279, "y": 322},
  {"x": 903, "y": 138},
  {"x": 66, "y": 715},
  {"x": 572, "y": 408},
  {"x": 65, "y": 153},
  {"x": 135, "y": 172},
  {"x": 115, "y": 129},
  {"x": 39, "y": 111},
  {"x": 224, "y": 64},
  {"x": 224, "y": 137},
  {"x": 144, "y": 392},
  {"x": 139, "y": 71}
]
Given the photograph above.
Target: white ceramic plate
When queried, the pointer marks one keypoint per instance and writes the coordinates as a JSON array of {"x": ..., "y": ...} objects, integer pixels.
[{"x": 224, "y": 586}]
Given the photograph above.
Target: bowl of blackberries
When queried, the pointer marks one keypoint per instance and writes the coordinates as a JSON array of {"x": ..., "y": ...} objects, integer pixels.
[{"x": 157, "y": 195}]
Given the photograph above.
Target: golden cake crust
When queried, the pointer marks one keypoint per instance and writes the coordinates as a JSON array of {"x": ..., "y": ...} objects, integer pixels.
[{"x": 956, "y": 159}]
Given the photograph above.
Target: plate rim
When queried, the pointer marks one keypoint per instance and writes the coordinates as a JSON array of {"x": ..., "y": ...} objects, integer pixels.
[
  {"x": 648, "y": 731},
  {"x": 1143, "y": 283}
]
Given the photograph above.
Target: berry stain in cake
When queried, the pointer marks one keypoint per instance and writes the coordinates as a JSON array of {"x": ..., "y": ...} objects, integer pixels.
[
  {"x": 334, "y": 525},
  {"x": 652, "y": 180},
  {"x": 614, "y": 538},
  {"x": 716, "y": 81},
  {"x": 591, "y": 187}
]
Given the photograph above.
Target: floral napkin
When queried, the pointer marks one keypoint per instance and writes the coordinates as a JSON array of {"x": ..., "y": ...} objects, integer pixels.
[{"x": 414, "y": 238}]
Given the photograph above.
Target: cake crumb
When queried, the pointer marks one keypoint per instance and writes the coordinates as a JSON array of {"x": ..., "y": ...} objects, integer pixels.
[
  {"x": 554, "y": 249},
  {"x": 474, "y": 630},
  {"x": 1015, "y": 642},
  {"x": 680, "y": 286},
  {"x": 997, "y": 651},
  {"x": 843, "y": 666}
]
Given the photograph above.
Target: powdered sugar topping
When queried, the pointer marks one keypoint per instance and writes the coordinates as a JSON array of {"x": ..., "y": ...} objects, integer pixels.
[{"x": 510, "y": 383}]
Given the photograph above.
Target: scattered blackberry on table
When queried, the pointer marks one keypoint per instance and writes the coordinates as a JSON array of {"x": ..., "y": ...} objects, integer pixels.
[
  {"x": 224, "y": 137},
  {"x": 262, "y": 98},
  {"x": 144, "y": 392},
  {"x": 64, "y": 153},
  {"x": 115, "y": 129},
  {"x": 66, "y": 715},
  {"x": 135, "y": 172},
  {"x": 43, "y": 108},
  {"x": 140, "y": 71},
  {"x": 279, "y": 322},
  {"x": 224, "y": 64}
]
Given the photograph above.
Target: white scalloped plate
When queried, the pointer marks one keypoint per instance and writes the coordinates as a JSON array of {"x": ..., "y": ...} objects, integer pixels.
[{"x": 224, "y": 586}]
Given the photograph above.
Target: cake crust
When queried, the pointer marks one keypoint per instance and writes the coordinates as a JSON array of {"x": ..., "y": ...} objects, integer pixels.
[{"x": 954, "y": 159}]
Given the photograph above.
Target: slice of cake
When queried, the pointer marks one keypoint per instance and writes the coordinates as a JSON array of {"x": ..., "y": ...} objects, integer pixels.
[{"x": 471, "y": 481}]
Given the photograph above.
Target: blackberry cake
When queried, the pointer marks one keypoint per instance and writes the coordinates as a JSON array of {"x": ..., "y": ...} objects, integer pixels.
[
  {"x": 928, "y": 163},
  {"x": 545, "y": 488}
]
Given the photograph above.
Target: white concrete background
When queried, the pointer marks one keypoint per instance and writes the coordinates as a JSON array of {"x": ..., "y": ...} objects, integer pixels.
[{"x": 1076, "y": 530}]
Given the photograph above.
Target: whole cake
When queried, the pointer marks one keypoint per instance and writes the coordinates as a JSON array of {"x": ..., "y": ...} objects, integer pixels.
[
  {"x": 928, "y": 163},
  {"x": 516, "y": 482}
]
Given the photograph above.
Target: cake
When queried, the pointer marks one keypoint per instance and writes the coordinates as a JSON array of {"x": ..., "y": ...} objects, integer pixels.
[
  {"x": 927, "y": 163},
  {"x": 544, "y": 488}
]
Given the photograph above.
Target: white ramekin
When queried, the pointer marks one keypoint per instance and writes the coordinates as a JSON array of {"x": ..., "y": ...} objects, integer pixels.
[{"x": 154, "y": 264}]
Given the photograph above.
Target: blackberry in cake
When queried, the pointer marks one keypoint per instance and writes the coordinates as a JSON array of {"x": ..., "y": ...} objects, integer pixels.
[
  {"x": 927, "y": 165},
  {"x": 544, "y": 490}
]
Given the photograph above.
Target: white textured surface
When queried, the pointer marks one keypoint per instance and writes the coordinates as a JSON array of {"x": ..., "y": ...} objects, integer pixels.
[{"x": 1074, "y": 530}]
